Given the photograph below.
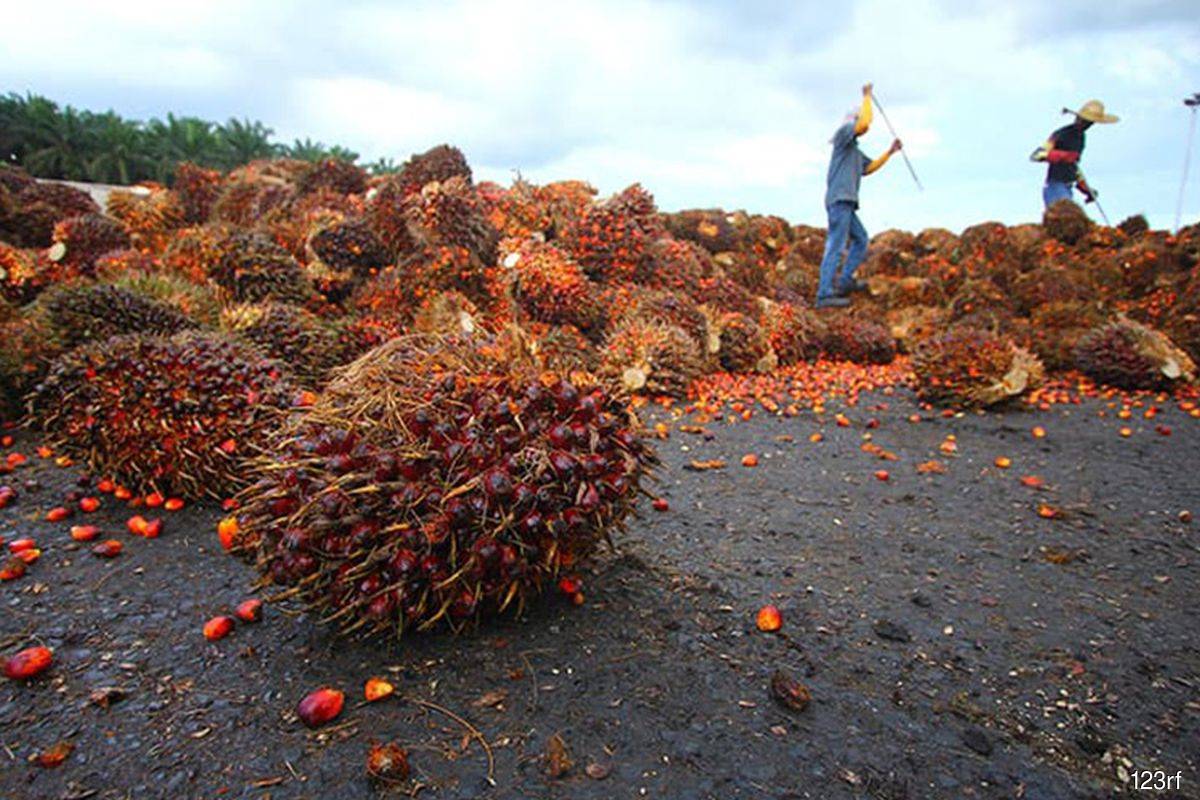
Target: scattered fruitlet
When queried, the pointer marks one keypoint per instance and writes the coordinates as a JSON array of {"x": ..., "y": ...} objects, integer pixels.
[
  {"x": 218, "y": 628},
  {"x": 249, "y": 610},
  {"x": 377, "y": 689},
  {"x": 387, "y": 763},
  {"x": 320, "y": 706},
  {"x": 28, "y": 663},
  {"x": 769, "y": 619}
]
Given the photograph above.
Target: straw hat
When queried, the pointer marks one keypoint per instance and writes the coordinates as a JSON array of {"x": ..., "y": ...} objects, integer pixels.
[{"x": 1093, "y": 111}]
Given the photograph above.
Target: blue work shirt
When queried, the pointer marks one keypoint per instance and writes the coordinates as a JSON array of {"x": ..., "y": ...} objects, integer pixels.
[{"x": 846, "y": 167}]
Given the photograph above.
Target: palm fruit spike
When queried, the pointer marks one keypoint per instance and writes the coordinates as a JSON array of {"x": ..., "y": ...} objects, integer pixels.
[
  {"x": 149, "y": 218},
  {"x": 549, "y": 286},
  {"x": 433, "y": 483},
  {"x": 450, "y": 214},
  {"x": 436, "y": 164},
  {"x": 861, "y": 341},
  {"x": 611, "y": 239},
  {"x": 79, "y": 241},
  {"x": 198, "y": 189},
  {"x": 79, "y": 314},
  {"x": 650, "y": 358},
  {"x": 290, "y": 335},
  {"x": 252, "y": 269},
  {"x": 970, "y": 367},
  {"x": 744, "y": 346},
  {"x": 1129, "y": 355},
  {"x": 175, "y": 415},
  {"x": 793, "y": 332}
]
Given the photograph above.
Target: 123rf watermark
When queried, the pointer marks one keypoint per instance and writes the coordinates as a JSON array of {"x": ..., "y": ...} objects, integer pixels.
[{"x": 1147, "y": 780}]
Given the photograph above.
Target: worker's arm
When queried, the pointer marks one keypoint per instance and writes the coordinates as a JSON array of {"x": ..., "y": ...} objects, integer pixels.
[
  {"x": 883, "y": 159},
  {"x": 863, "y": 121},
  {"x": 1047, "y": 152}
]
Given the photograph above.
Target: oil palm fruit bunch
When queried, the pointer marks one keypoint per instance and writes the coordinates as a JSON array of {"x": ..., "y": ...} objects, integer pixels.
[
  {"x": 385, "y": 214},
  {"x": 289, "y": 335},
  {"x": 1048, "y": 285},
  {"x": 913, "y": 324},
  {"x": 651, "y": 358},
  {"x": 20, "y": 278},
  {"x": 1055, "y": 330},
  {"x": 793, "y": 332},
  {"x": 970, "y": 367},
  {"x": 977, "y": 295},
  {"x": 611, "y": 238},
  {"x": 198, "y": 189},
  {"x": 79, "y": 314},
  {"x": 516, "y": 211},
  {"x": 724, "y": 294},
  {"x": 1066, "y": 222},
  {"x": 250, "y": 196},
  {"x": 674, "y": 265},
  {"x": 196, "y": 251},
  {"x": 336, "y": 174},
  {"x": 79, "y": 241},
  {"x": 1145, "y": 264},
  {"x": 252, "y": 268},
  {"x": 358, "y": 333},
  {"x": 430, "y": 270},
  {"x": 710, "y": 228},
  {"x": 149, "y": 218},
  {"x": 432, "y": 484},
  {"x": 170, "y": 414},
  {"x": 676, "y": 309},
  {"x": 559, "y": 348},
  {"x": 35, "y": 209},
  {"x": 199, "y": 301},
  {"x": 28, "y": 349},
  {"x": 744, "y": 346},
  {"x": 1128, "y": 355},
  {"x": 341, "y": 254},
  {"x": 1134, "y": 226},
  {"x": 450, "y": 313},
  {"x": 549, "y": 286},
  {"x": 393, "y": 294},
  {"x": 859, "y": 340},
  {"x": 439, "y": 163},
  {"x": 450, "y": 214}
]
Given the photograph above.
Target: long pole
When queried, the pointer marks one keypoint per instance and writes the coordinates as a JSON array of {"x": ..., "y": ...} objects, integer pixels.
[
  {"x": 1191, "y": 102},
  {"x": 895, "y": 135}
]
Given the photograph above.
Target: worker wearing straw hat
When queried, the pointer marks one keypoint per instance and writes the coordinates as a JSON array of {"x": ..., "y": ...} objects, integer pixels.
[
  {"x": 1063, "y": 150},
  {"x": 846, "y": 233}
]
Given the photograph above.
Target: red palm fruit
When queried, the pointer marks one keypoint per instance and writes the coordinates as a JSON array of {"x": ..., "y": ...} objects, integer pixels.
[
  {"x": 249, "y": 610},
  {"x": 750, "y": 460},
  {"x": 154, "y": 500},
  {"x": 218, "y": 628},
  {"x": 122, "y": 493},
  {"x": 12, "y": 569},
  {"x": 17, "y": 545},
  {"x": 320, "y": 706},
  {"x": 226, "y": 531},
  {"x": 882, "y": 475},
  {"x": 660, "y": 504},
  {"x": 137, "y": 525},
  {"x": 106, "y": 486},
  {"x": 29, "y": 556},
  {"x": 769, "y": 619},
  {"x": 15, "y": 460},
  {"x": 173, "y": 504},
  {"x": 54, "y": 756},
  {"x": 57, "y": 514},
  {"x": 110, "y": 548},
  {"x": 89, "y": 504},
  {"x": 387, "y": 763},
  {"x": 377, "y": 689},
  {"x": 152, "y": 528},
  {"x": 28, "y": 663},
  {"x": 84, "y": 533}
]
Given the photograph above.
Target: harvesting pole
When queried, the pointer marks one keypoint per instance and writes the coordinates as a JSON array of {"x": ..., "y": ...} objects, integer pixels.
[
  {"x": 1193, "y": 103},
  {"x": 882, "y": 113}
]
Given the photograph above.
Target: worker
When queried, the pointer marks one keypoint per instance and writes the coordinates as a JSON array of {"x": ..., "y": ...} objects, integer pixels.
[
  {"x": 1063, "y": 149},
  {"x": 847, "y": 165}
]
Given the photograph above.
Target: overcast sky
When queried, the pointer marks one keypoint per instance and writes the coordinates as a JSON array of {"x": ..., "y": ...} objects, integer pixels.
[{"x": 711, "y": 103}]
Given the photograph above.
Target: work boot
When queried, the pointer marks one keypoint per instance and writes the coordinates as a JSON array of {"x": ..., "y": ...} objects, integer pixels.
[
  {"x": 833, "y": 302},
  {"x": 853, "y": 286}
]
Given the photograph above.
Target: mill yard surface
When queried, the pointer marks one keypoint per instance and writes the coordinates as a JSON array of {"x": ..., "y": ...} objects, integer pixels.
[{"x": 956, "y": 643}]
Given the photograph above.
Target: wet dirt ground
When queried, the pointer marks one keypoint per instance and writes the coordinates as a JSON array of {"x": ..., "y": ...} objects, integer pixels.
[{"x": 956, "y": 644}]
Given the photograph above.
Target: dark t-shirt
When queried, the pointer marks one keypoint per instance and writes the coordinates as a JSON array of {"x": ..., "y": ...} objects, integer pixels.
[
  {"x": 1068, "y": 138},
  {"x": 846, "y": 167}
]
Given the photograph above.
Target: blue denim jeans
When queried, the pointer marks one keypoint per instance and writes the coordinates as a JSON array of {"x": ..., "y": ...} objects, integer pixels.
[
  {"x": 1054, "y": 191},
  {"x": 844, "y": 227}
]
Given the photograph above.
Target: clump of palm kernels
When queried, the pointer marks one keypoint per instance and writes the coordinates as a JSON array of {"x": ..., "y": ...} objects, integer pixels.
[
  {"x": 433, "y": 483},
  {"x": 172, "y": 414},
  {"x": 970, "y": 367}
]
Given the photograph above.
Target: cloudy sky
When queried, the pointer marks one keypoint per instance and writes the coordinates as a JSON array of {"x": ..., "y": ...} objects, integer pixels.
[{"x": 710, "y": 103}]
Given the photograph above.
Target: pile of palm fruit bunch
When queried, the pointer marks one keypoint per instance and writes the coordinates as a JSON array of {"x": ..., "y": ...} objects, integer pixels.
[{"x": 437, "y": 480}]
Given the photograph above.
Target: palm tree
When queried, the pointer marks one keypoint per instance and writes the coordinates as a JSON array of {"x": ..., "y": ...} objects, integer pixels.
[
  {"x": 57, "y": 143},
  {"x": 343, "y": 153},
  {"x": 243, "y": 141},
  {"x": 306, "y": 150},
  {"x": 181, "y": 139},
  {"x": 383, "y": 166},
  {"x": 120, "y": 152}
]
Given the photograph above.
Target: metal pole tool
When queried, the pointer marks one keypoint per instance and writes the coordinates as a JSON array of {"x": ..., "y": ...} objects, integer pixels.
[
  {"x": 895, "y": 135},
  {"x": 1193, "y": 103}
]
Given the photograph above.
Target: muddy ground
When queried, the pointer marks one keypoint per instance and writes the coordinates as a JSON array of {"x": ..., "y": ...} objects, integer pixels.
[{"x": 947, "y": 653}]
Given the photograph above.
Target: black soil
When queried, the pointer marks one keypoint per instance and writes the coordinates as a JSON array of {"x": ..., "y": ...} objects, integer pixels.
[{"x": 955, "y": 643}]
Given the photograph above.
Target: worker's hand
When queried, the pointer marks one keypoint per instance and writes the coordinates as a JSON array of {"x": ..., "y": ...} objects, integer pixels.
[
  {"x": 867, "y": 88},
  {"x": 896, "y": 145}
]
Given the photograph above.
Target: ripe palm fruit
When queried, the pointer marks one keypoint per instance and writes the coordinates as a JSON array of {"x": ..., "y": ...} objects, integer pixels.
[
  {"x": 549, "y": 286},
  {"x": 252, "y": 268},
  {"x": 439, "y": 163},
  {"x": 449, "y": 313},
  {"x": 858, "y": 340},
  {"x": 912, "y": 324},
  {"x": 673, "y": 308},
  {"x": 290, "y": 335},
  {"x": 430, "y": 270},
  {"x": 79, "y": 241},
  {"x": 248, "y": 196},
  {"x": 610, "y": 240},
  {"x": 650, "y": 357},
  {"x": 22, "y": 274},
  {"x": 710, "y": 228},
  {"x": 198, "y": 189},
  {"x": 38, "y": 206},
  {"x": 1129, "y": 355},
  {"x": 169, "y": 414},
  {"x": 336, "y": 174},
  {"x": 1066, "y": 222},
  {"x": 149, "y": 218},
  {"x": 793, "y": 332},
  {"x": 559, "y": 348},
  {"x": 450, "y": 214},
  {"x": 195, "y": 252},
  {"x": 349, "y": 249},
  {"x": 1055, "y": 329},
  {"x": 744, "y": 346},
  {"x": 79, "y": 314},
  {"x": 435, "y": 481},
  {"x": 970, "y": 367},
  {"x": 723, "y": 294},
  {"x": 28, "y": 663},
  {"x": 674, "y": 265}
]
